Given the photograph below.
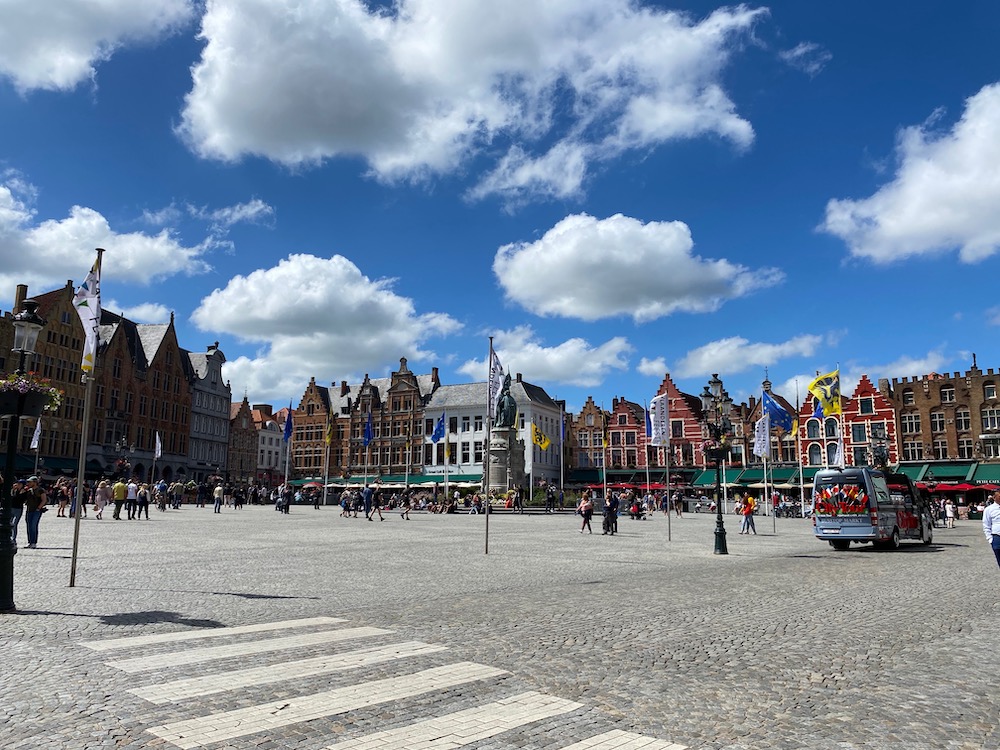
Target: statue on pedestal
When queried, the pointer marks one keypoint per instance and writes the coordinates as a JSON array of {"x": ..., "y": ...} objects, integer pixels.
[{"x": 506, "y": 406}]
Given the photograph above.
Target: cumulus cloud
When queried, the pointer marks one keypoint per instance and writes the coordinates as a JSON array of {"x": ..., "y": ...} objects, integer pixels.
[
  {"x": 591, "y": 268},
  {"x": 736, "y": 354},
  {"x": 418, "y": 88},
  {"x": 58, "y": 43},
  {"x": 655, "y": 368},
  {"x": 573, "y": 362},
  {"x": 43, "y": 252},
  {"x": 147, "y": 312},
  {"x": 943, "y": 196},
  {"x": 315, "y": 316},
  {"x": 808, "y": 57}
]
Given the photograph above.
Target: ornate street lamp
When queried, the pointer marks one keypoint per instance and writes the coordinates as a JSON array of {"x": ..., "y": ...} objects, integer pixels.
[
  {"x": 27, "y": 324},
  {"x": 123, "y": 467},
  {"x": 716, "y": 406}
]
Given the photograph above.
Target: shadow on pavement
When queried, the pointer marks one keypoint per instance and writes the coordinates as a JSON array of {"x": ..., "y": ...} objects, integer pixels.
[{"x": 154, "y": 616}]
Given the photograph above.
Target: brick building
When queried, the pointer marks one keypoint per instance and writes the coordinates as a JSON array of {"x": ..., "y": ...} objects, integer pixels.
[{"x": 241, "y": 466}]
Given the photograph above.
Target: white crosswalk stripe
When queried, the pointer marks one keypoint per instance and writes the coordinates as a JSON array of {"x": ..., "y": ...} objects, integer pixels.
[
  {"x": 465, "y": 727},
  {"x": 192, "y": 687},
  {"x": 188, "y": 635},
  {"x": 245, "y": 648},
  {"x": 452, "y": 729},
  {"x": 191, "y": 733}
]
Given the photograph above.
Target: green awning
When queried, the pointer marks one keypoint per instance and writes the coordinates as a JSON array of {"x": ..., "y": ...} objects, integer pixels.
[
  {"x": 987, "y": 473},
  {"x": 707, "y": 477},
  {"x": 951, "y": 471},
  {"x": 913, "y": 471}
]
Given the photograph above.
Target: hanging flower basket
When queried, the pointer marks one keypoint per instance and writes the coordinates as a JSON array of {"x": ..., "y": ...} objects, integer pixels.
[{"x": 28, "y": 396}]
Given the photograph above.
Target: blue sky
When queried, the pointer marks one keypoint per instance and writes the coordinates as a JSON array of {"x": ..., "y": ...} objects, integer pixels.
[{"x": 612, "y": 190}]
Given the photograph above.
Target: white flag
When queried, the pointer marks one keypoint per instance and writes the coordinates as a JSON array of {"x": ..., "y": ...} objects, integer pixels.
[
  {"x": 37, "y": 436},
  {"x": 838, "y": 456},
  {"x": 762, "y": 436},
  {"x": 659, "y": 420},
  {"x": 87, "y": 302},
  {"x": 495, "y": 383},
  {"x": 158, "y": 451}
]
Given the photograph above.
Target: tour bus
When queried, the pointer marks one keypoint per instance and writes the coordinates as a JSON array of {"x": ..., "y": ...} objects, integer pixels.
[{"x": 859, "y": 504}]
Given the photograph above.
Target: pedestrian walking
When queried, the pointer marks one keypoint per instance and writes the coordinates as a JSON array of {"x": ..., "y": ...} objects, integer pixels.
[
  {"x": 101, "y": 498},
  {"x": 949, "y": 513},
  {"x": 991, "y": 525},
  {"x": 131, "y": 498},
  {"x": 35, "y": 504},
  {"x": 142, "y": 501},
  {"x": 747, "y": 526},
  {"x": 586, "y": 509},
  {"x": 366, "y": 500},
  {"x": 217, "y": 495},
  {"x": 118, "y": 492},
  {"x": 18, "y": 495}
]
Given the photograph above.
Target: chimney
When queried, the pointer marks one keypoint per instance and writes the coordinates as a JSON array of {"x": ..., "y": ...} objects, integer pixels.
[
  {"x": 519, "y": 377},
  {"x": 343, "y": 388},
  {"x": 266, "y": 409},
  {"x": 20, "y": 295}
]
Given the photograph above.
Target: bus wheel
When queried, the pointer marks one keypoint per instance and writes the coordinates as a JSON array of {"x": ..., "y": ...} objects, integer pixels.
[
  {"x": 893, "y": 542},
  {"x": 926, "y": 533},
  {"x": 840, "y": 544}
]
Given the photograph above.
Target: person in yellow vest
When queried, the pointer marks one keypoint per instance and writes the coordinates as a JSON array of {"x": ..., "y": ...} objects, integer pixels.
[{"x": 118, "y": 494}]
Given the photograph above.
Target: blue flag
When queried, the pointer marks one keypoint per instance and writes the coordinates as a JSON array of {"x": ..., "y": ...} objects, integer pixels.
[
  {"x": 779, "y": 416},
  {"x": 649, "y": 424},
  {"x": 369, "y": 430},
  {"x": 288, "y": 423},
  {"x": 438, "y": 429}
]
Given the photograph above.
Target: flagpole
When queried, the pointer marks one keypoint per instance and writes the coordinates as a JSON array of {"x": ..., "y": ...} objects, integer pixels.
[
  {"x": 645, "y": 408},
  {"x": 486, "y": 458},
  {"x": 326, "y": 457},
  {"x": 604, "y": 452},
  {"x": 666, "y": 455},
  {"x": 88, "y": 378},
  {"x": 798, "y": 451},
  {"x": 38, "y": 444}
]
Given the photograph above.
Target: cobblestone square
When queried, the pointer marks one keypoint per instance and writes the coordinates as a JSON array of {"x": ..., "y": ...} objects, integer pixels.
[{"x": 344, "y": 632}]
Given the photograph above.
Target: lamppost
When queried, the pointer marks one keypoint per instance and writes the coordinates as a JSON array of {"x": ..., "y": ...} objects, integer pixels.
[
  {"x": 27, "y": 324},
  {"x": 124, "y": 466},
  {"x": 715, "y": 402}
]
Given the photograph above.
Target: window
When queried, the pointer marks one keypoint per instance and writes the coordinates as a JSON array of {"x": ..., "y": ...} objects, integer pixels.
[
  {"x": 860, "y": 456},
  {"x": 831, "y": 454},
  {"x": 676, "y": 428},
  {"x": 630, "y": 457},
  {"x": 937, "y": 421},
  {"x": 452, "y": 424},
  {"x": 965, "y": 448},
  {"x": 866, "y": 406},
  {"x": 589, "y": 420},
  {"x": 466, "y": 421},
  {"x": 989, "y": 391},
  {"x": 466, "y": 453},
  {"x": 629, "y": 438},
  {"x": 815, "y": 455},
  {"x": 616, "y": 438},
  {"x": 913, "y": 450},
  {"x": 947, "y": 394},
  {"x": 963, "y": 419},
  {"x": 622, "y": 419},
  {"x": 832, "y": 427},
  {"x": 940, "y": 448},
  {"x": 116, "y": 367},
  {"x": 584, "y": 438},
  {"x": 478, "y": 451},
  {"x": 812, "y": 429},
  {"x": 908, "y": 398},
  {"x": 910, "y": 424},
  {"x": 991, "y": 418},
  {"x": 477, "y": 423},
  {"x": 859, "y": 434}
]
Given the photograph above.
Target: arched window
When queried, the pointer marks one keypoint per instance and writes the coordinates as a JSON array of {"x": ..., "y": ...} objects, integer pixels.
[
  {"x": 908, "y": 398},
  {"x": 832, "y": 427},
  {"x": 815, "y": 455},
  {"x": 812, "y": 429},
  {"x": 831, "y": 454}
]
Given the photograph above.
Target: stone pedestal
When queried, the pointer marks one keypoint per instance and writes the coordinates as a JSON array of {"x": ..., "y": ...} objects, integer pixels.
[{"x": 506, "y": 464}]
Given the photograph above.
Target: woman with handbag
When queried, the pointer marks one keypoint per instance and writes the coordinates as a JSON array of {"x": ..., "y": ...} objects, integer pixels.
[{"x": 34, "y": 505}]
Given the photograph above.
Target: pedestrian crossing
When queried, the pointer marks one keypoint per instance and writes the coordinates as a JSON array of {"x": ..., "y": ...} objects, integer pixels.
[{"x": 191, "y": 724}]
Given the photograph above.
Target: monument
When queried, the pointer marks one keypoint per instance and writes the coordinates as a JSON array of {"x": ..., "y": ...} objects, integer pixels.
[{"x": 506, "y": 461}]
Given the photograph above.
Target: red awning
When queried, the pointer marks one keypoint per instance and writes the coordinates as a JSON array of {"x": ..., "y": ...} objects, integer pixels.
[{"x": 963, "y": 487}]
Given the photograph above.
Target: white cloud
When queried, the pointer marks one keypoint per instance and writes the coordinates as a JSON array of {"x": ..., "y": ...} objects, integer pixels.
[
  {"x": 590, "y": 269},
  {"x": 147, "y": 312},
  {"x": 56, "y": 44},
  {"x": 42, "y": 252},
  {"x": 419, "y": 88},
  {"x": 573, "y": 362},
  {"x": 254, "y": 211},
  {"x": 807, "y": 57},
  {"x": 315, "y": 317},
  {"x": 943, "y": 196},
  {"x": 736, "y": 354},
  {"x": 654, "y": 368}
]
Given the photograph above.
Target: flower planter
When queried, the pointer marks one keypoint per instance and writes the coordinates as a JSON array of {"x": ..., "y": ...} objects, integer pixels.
[
  {"x": 717, "y": 454},
  {"x": 32, "y": 403}
]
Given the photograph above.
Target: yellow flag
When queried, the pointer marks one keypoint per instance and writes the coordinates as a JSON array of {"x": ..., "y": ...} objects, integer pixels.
[
  {"x": 826, "y": 389},
  {"x": 539, "y": 438}
]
